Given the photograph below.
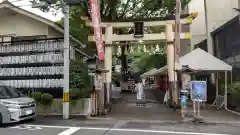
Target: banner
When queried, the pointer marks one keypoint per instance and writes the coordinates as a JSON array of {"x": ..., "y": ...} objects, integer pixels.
[{"x": 96, "y": 20}]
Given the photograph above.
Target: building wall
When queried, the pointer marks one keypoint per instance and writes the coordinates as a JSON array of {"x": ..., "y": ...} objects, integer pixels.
[
  {"x": 8, "y": 25},
  {"x": 53, "y": 33},
  {"x": 27, "y": 26},
  {"x": 218, "y": 13},
  {"x": 227, "y": 45},
  {"x": 19, "y": 25}
]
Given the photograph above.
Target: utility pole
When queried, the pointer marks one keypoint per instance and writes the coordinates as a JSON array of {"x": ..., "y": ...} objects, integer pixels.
[
  {"x": 66, "y": 63},
  {"x": 208, "y": 36},
  {"x": 239, "y": 9}
]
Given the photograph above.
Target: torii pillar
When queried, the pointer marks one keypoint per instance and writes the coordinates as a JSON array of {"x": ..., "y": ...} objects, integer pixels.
[
  {"x": 172, "y": 75},
  {"x": 108, "y": 61}
]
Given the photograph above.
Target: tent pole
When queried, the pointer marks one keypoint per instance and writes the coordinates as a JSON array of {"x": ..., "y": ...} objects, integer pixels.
[{"x": 225, "y": 93}]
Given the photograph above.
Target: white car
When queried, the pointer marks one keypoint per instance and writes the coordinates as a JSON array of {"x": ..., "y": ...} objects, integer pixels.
[{"x": 14, "y": 106}]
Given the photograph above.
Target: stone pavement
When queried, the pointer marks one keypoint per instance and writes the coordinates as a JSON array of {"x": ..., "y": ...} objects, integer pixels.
[{"x": 126, "y": 109}]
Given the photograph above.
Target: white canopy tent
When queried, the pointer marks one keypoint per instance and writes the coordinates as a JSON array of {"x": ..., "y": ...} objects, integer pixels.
[
  {"x": 149, "y": 73},
  {"x": 201, "y": 61}
]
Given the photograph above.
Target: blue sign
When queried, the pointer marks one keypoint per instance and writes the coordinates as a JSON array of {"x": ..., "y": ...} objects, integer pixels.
[
  {"x": 183, "y": 100},
  {"x": 199, "y": 91}
]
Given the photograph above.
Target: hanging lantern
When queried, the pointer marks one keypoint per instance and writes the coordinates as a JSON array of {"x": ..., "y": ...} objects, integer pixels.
[
  {"x": 138, "y": 48},
  {"x": 126, "y": 50},
  {"x": 131, "y": 49},
  {"x": 119, "y": 50},
  {"x": 157, "y": 48},
  {"x": 144, "y": 48},
  {"x": 151, "y": 48}
]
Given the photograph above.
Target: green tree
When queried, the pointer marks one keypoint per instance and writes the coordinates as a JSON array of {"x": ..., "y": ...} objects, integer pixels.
[
  {"x": 80, "y": 82},
  {"x": 141, "y": 61},
  {"x": 118, "y": 9}
]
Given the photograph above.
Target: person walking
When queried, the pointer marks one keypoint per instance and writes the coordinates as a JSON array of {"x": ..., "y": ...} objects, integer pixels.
[{"x": 140, "y": 94}]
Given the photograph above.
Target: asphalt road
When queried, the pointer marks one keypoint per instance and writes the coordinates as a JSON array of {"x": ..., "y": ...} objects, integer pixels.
[{"x": 177, "y": 129}]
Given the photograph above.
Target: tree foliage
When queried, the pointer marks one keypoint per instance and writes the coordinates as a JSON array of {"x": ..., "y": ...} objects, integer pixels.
[
  {"x": 141, "y": 61},
  {"x": 80, "y": 82},
  {"x": 118, "y": 9}
]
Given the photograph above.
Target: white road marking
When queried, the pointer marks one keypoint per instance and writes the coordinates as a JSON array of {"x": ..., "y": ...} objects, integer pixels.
[
  {"x": 71, "y": 130},
  {"x": 46, "y": 126},
  {"x": 26, "y": 127}
]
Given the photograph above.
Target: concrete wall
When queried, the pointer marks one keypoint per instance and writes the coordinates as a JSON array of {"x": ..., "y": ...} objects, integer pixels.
[{"x": 218, "y": 13}]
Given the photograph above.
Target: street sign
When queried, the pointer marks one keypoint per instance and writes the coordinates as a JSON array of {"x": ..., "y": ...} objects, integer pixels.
[
  {"x": 198, "y": 91},
  {"x": 138, "y": 29}
]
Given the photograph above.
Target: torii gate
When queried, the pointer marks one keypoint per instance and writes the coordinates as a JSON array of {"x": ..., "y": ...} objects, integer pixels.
[{"x": 167, "y": 36}]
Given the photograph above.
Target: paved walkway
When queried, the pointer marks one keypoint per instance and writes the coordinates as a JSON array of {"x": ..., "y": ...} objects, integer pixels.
[{"x": 126, "y": 109}]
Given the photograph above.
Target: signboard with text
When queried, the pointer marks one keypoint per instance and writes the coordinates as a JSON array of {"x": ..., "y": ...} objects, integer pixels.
[{"x": 199, "y": 91}]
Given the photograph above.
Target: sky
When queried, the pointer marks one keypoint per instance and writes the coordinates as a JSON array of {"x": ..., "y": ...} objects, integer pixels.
[{"x": 26, "y": 4}]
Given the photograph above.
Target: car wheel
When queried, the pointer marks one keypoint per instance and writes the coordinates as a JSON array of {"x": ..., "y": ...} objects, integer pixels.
[
  {"x": 1, "y": 120},
  {"x": 31, "y": 120}
]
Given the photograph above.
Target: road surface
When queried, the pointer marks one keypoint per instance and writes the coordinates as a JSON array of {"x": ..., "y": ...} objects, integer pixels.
[{"x": 122, "y": 128}]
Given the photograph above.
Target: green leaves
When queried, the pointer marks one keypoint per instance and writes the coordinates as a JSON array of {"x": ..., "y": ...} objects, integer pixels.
[
  {"x": 117, "y": 10},
  {"x": 79, "y": 79},
  {"x": 141, "y": 61}
]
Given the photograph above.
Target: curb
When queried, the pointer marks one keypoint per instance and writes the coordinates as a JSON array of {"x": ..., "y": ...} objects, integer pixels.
[
  {"x": 75, "y": 116},
  {"x": 59, "y": 116}
]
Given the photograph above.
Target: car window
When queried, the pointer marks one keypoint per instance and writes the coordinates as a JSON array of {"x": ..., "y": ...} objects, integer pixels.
[
  {"x": 9, "y": 92},
  {"x": 14, "y": 92},
  {"x": 4, "y": 93}
]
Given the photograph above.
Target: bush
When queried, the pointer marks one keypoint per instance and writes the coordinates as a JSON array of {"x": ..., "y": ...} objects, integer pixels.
[
  {"x": 36, "y": 96},
  {"x": 234, "y": 94},
  {"x": 46, "y": 99},
  {"x": 80, "y": 81},
  {"x": 77, "y": 93}
]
